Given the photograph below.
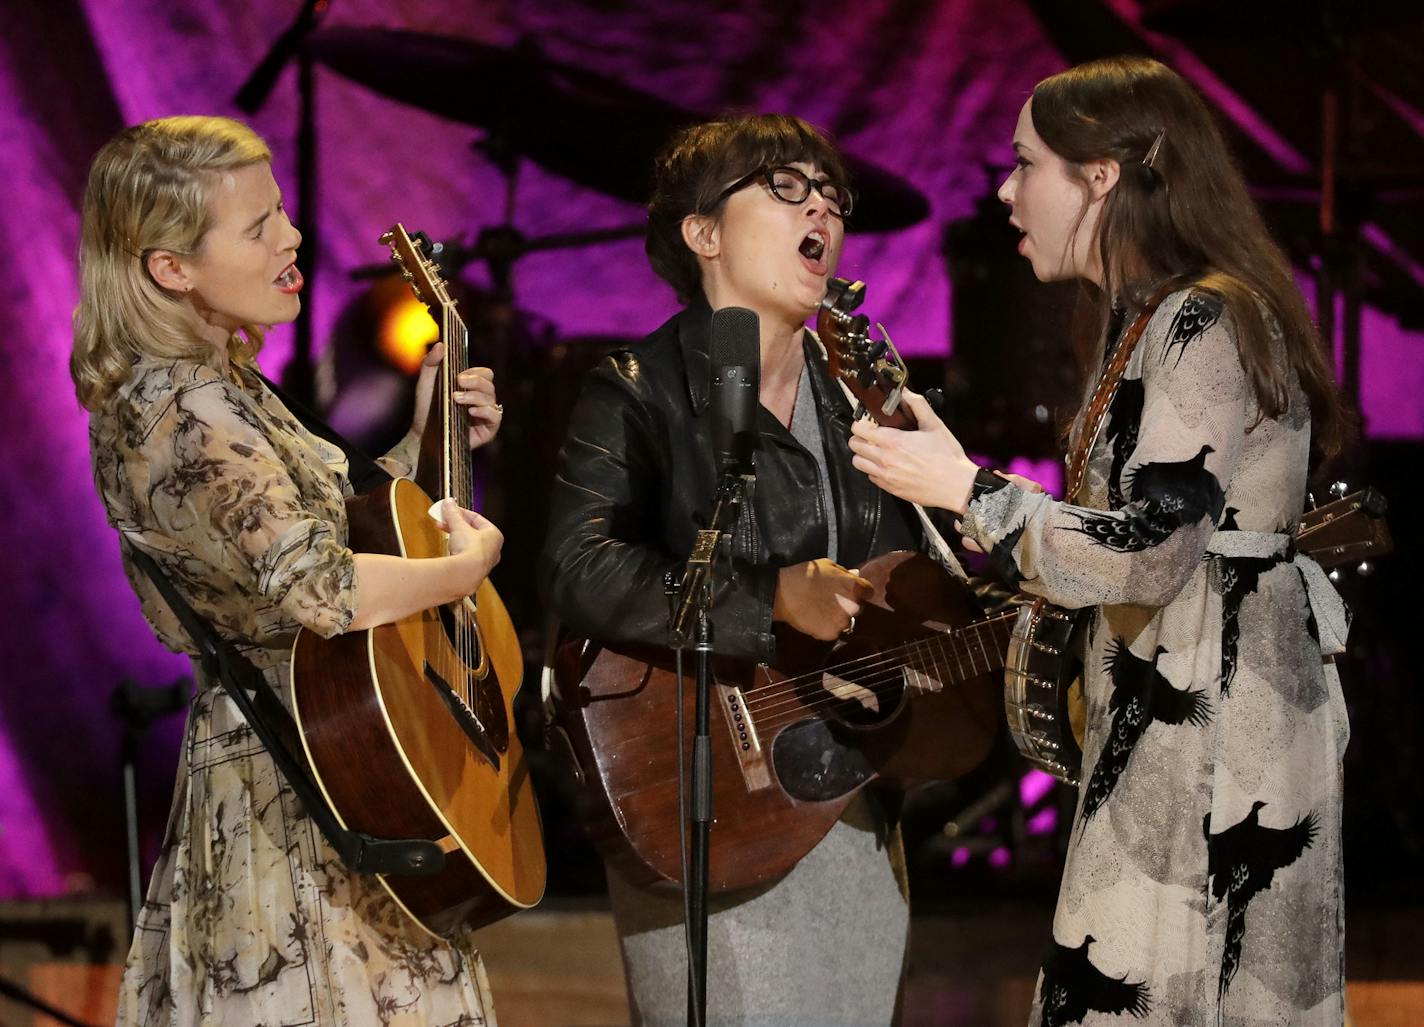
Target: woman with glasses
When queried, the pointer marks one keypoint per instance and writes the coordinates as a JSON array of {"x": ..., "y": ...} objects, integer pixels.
[{"x": 747, "y": 212}]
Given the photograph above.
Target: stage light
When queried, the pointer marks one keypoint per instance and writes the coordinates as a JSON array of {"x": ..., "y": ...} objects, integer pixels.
[{"x": 404, "y": 328}]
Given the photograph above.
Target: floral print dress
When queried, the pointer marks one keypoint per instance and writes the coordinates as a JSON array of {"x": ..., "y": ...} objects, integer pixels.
[
  {"x": 250, "y": 917},
  {"x": 1203, "y": 877}
]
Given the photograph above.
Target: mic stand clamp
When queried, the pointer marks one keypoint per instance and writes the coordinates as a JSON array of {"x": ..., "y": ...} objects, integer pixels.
[{"x": 692, "y": 598}]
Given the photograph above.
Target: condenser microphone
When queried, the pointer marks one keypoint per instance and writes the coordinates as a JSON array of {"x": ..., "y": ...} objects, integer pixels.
[{"x": 735, "y": 359}]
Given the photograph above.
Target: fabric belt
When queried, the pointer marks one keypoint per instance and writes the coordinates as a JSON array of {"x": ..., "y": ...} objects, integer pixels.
[{"x": 1332, "y": 618}]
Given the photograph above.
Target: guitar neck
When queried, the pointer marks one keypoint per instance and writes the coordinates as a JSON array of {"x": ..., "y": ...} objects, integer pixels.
[
  {"x": 446, "y": 467},
  {"x": 955, "y": 656}
]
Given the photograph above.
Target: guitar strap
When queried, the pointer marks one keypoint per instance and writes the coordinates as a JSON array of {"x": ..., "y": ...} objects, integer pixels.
[
  {"x": 273, "y": 726},
  {"x": 1103, "y": 395}
]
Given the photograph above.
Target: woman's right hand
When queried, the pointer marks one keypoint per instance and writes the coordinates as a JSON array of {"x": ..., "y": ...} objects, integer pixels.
[
  {"x": 475, "y": 543},
  {"x": 819, "y": 598}
]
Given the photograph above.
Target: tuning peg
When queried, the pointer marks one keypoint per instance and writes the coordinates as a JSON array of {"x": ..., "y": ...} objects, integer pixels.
[
  {"x": 1339, "y": 489},
  {"x": 1365, "y": 569},
  {"x": 1335, "y": 576},
  {"x": 422, "y": 242}
]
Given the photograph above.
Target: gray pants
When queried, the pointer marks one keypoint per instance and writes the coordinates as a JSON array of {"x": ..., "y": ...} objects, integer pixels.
[{"x": 823, "y": 946}]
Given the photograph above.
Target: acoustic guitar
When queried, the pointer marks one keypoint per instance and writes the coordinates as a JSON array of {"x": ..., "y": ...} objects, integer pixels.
[
  {"x": 913, "y": 694},
  {"x": 409, "y": 727}
]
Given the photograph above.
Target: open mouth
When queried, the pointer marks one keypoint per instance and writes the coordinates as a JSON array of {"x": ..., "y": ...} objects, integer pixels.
[
  {"x": 1023, "y": 234},
  {"x": 290, "y": 280},
  {"x": 813, "y": 247}
]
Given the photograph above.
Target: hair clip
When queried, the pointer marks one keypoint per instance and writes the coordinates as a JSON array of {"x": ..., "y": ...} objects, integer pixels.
[{"x": 1151, "y": 157}]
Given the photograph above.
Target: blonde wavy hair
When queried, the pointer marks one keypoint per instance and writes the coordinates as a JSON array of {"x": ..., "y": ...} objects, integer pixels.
[{"x": 149, "y": 190}]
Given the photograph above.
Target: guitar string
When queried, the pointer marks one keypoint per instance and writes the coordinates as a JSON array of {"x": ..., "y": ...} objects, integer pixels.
[
  {"x": 863, "y": 663},
  {"x": 866, "y": 663},
  {"x": 772, "y": 706},
  {"x": 448, "y": 377},
  {"x": 458, "y": 437},
  {"x": 927, "y": 663},
  {"x": 886, "y": 687},
  {"x": 888, "y": 658},
  {"x": 879, "y": 685}
]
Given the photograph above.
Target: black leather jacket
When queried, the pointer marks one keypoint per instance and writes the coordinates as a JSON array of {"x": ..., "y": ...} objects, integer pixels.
[{"x": 636, "y": 480}]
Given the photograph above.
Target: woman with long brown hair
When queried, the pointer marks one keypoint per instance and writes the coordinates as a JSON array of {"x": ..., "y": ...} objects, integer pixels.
[{"x": 1203, "y": 880}]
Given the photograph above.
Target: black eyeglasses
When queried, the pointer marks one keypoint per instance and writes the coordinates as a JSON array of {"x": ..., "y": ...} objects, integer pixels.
[{"x": 792, "y": 186}]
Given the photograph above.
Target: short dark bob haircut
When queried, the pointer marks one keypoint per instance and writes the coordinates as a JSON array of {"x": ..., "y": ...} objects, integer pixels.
[{"x": 704, "y": 159}]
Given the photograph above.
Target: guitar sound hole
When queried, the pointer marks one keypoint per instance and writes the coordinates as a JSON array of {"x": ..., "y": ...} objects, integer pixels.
[
  {"x": 813, "y": 766},
  {"x": 460, "y": 632}
]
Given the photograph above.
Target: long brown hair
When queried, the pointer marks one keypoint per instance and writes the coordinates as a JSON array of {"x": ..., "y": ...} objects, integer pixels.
[{"x": 1185, "y": 220}]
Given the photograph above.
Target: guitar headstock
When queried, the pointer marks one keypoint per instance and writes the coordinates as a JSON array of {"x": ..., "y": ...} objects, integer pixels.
[
  {"x": 871, "y": 368},
  {"x": 1349, "y": 528},
  {"x": 411, "y": 254}
]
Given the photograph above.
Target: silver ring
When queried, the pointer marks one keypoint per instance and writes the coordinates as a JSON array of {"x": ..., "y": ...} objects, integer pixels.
[
  {"x": 499, "y": 408},
  {"x": 850, "y": 628}
]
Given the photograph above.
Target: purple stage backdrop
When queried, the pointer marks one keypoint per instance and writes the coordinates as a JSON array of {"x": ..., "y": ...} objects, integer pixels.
[{"x": 929, "y": 91}]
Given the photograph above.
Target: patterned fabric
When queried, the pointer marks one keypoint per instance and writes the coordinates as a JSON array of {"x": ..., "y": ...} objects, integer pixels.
[
  {"x": 250, "y": 917},
  {"x": 1203, "y": 879}
]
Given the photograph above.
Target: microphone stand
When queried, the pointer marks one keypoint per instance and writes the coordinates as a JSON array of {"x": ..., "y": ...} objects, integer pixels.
[
  {"x": 139, "y": 707},
  {"x": 300, "y": 376},
  {"x": 692, "y": 597}
]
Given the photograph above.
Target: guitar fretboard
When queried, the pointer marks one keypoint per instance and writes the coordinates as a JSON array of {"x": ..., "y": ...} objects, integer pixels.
[{"x": 977, "y": 648}]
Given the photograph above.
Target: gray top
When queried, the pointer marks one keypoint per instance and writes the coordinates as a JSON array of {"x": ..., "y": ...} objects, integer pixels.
[{"x": 806, "y": 429}]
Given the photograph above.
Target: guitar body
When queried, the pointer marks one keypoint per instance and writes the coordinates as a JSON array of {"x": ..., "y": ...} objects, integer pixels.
[
  {"x": 791, "y": 744},
  {"x": 398, "y": 756}
]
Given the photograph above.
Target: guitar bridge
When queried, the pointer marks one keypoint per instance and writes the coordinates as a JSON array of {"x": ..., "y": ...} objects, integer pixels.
[
  {"x": 464, "y": 716},
  {"x": 750, "y": 757}
]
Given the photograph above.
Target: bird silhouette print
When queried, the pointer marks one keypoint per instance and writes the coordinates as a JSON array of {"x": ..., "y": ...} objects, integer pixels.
[
  {"x": 1124, "y": 420},
  {"x": 1198, "y": 312},
  {"x": 1165, "y": 495},
  {"x": 1140, "y": 696},
  {"x": 1001, "y": 554},
  {"x": 1238, "y": 577},
  {"x": 1072, "y": 987},
  {"x": 1241, "y": 863}
]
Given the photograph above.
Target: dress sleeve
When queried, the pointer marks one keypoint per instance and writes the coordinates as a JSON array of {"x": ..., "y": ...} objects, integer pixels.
[
  {"x": 218, "y": 488},
  {"x": 399, "y": 461},
  {"x": 1195, "y": 400}
]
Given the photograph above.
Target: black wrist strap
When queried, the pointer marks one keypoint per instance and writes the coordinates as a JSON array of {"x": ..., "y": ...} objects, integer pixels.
[
  {"x": 985, "y": 481},
  {"x": 274, "y": 727}
]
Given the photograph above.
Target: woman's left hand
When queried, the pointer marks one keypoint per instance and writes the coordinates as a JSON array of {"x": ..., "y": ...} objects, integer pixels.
[
  {"x": 474, "y": 391},
  {"x": 926, "y": 466}
]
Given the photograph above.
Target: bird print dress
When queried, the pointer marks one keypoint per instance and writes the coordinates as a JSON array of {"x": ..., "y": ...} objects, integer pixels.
[
  {"x": 1203, "y": 875},
  {"x": 251, "y": 918}
]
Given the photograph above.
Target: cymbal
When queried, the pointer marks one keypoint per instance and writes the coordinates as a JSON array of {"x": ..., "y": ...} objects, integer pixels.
[{"x": 580, "y": 125}]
